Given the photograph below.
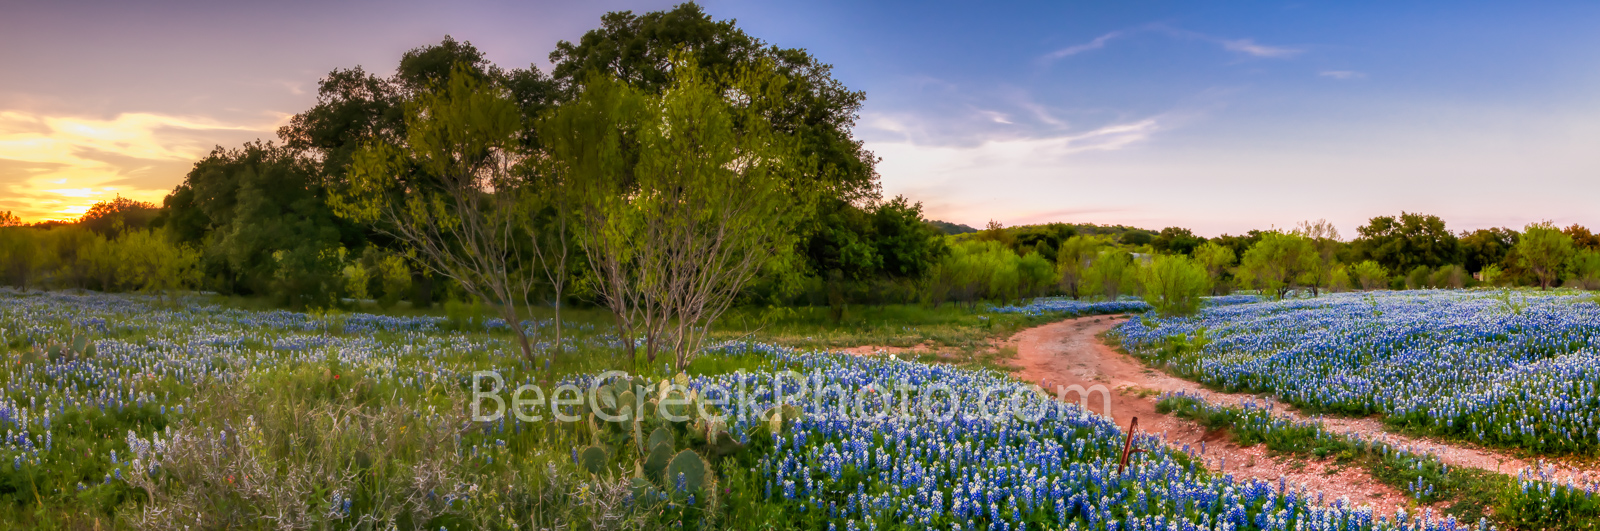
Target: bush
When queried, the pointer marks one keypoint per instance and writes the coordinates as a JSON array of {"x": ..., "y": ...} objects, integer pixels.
[
  {"x": 1419, "y": 277},
  {"x": 1340, "y": 281},
  {"x": 1585, "y": 270},
  {"x": 1110, "y": 274},
  {"x": 1450, "y": 276},
  {"x": 1173, "y": 285}
]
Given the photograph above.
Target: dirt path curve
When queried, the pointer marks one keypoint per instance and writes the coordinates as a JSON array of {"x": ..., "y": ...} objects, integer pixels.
[{"x": 1069, "y": 352}]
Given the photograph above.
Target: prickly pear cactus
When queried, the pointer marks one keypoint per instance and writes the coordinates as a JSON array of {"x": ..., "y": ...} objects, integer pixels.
[
  {"x": 645, "y": 491},
  {"x": 662, "y": 435},
  {"x": 594, "y": 459},
  {"x": 687, "y": 474},
  {"x": 638, "y": 436},
  {"x": 656, "y": 462}
]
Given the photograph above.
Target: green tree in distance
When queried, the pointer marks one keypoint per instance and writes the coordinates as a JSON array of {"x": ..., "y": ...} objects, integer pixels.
[
  {"x": 1278, "y": 262},
  {"x": 1485, "y": 247},
  {"x": 1586, "y": 270},
  {"x": 1173, "y": 285},
  {"x": 1543, "y": 252},
  {"x": 1325, "y": 242},
  {"x": 1370, "y": 275},
  {"x": 1072, "y": 262},
  {"x": 1216, "y": 259},
  {"x": 1407, "y": 242},
  {"x": 1111, "y": 270},
  {"x": 112, "y": 218},
  {"x": 1176, "y": 240}
]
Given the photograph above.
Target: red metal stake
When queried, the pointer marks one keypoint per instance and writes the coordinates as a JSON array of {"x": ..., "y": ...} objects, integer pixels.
[{"x": 1127, "y": 446}]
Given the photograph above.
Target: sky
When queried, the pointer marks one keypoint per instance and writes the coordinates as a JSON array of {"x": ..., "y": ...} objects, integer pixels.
[{"x": 1218, "y": 117}]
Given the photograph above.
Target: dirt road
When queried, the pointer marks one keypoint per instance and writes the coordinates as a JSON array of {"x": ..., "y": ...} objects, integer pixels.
[{"x": 1069, "y": 353}]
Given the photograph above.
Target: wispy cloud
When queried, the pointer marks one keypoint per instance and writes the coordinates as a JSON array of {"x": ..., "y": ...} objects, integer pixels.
[
  {"x": 973, "y": 183},
  {"x": 54, "y": 167},
  {"x": 996, "y": 116},
  {"x": 1245, "y": 46},
  {"x": 1342, "y": 74},
  {"x": 1249, "y": 46},
  {"x": 1096, "y": 44}
]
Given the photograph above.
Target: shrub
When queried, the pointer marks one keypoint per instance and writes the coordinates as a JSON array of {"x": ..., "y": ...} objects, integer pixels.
[
  {"x": 1173, "y": 285},
  {"x": 1585, "y": 270},
  {"x": 1450, "y": 276},
  {"x": 1419, "y": 277}
]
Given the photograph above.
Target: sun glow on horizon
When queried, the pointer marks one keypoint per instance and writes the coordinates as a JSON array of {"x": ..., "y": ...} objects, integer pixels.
[{"x": 56, "y": 167}]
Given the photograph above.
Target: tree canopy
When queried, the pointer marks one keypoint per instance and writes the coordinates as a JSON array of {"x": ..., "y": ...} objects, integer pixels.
[{"x": 1404, "y": 243}]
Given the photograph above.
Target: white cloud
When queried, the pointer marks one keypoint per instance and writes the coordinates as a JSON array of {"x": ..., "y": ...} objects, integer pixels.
[
  {"x": 969, "y": 182},
  {"x": 1245, "y": 46},
  {"x": 1249, "y": 46},
  {"x": 1342, "y": 74},
  {"x": 1096, "y": 44}
]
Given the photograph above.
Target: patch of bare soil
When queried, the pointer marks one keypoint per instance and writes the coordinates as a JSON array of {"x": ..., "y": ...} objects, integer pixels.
[{"x": 1070, "y": 353}]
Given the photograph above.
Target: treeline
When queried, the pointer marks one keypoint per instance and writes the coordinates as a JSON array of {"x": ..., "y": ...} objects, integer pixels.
[
  {"x": 111, "y": 248},
  {"x": 1410, "y": 251}
]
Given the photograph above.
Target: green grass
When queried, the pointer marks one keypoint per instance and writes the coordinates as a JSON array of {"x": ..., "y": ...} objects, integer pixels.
[
  {"x": 947, "y": 327},
  {"x": 953, "y": 333}
]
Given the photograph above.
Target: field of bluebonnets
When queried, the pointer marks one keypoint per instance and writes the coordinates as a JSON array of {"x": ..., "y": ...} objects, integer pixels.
[
  {"x": 1516, "y": 369},
  {"x": 138, "y": 412}
]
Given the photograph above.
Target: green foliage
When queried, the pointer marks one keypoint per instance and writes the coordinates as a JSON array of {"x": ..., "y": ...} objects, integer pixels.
[
  {"x": 1278, "y": 262},
  {"x": 687, "y": 474},
  {"x": 258, "y": 216},
  {"x": 1544, "y": 251},
  {"x": 1340, "y": 281},
  {"x": 1035, "y": 275},
  {"x": 977, "y": 270},
  {"x": 1407, "y": 242},
  {"x": 1217, "y": 259},
  {"x": 112, "y": 218},
  {"x": 1449, "y": 276},
  {"x": 1111, "y": 274},
  {"x": 1487, "y": 247},
  {"x": 854, "y": 249},
  {"x": 1173, "y": 285},
  {"x": 950, "y": 229},
  {"x": 594, "y": 459},
  {"x": 21, "y": 256},
  {"x": 1585, "y": 270},
  {"x": 1176, "y": 240},
  {"x": 69, "y": 256},
  {"x": 1418, "y": 277},
  {"x": 1370, "y": 275},
  {"x": 1326, "y": 247},
  {"x": 806, "y": 101},
  {"x": 1072, "y": 263},
  {"x": 450, "y": 191}
]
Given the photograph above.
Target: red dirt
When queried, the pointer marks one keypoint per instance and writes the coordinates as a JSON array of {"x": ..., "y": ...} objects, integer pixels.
[{"x": 1069, "y": 353}]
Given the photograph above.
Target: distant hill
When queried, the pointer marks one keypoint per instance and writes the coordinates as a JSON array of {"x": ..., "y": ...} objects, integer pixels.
[{"x": 951, "y": 228}]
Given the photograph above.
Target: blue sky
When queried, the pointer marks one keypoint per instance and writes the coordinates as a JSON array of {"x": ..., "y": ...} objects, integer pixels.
[{"x": 1218, "y": 117}]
